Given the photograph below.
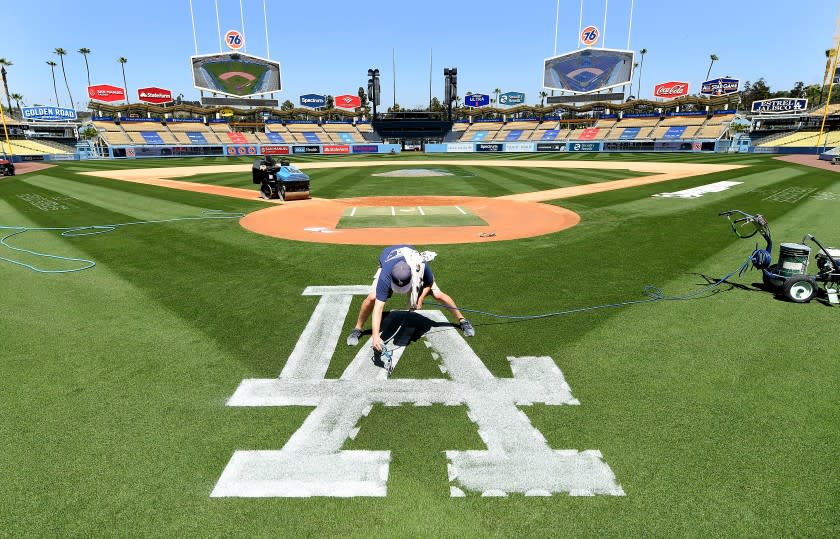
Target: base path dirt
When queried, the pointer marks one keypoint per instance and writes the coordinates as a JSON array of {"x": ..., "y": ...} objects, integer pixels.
[
  {"x": 508, "y": 217},
  {"x": 29, "y": 166},
  {"x": 810, "y": 160}
]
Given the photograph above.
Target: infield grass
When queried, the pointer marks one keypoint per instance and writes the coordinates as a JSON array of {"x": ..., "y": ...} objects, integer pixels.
[
  {"x": 407, "y": 216},
  {"x": 718, "y": 415}
]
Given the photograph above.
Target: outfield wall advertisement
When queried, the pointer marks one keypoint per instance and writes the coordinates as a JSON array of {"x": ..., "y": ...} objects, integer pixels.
[{"x": 247, "y": 150}]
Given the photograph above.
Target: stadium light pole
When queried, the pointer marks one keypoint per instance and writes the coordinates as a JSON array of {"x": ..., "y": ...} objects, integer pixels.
[{"x": 373, "y": 88}]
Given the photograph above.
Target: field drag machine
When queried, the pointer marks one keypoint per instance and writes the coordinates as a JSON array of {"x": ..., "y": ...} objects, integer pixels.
[
  {"x": 284, "y": 180},
  {"x": 789, "y": 275}
]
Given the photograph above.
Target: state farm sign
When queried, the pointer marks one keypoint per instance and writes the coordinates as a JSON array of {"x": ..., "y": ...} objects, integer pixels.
[
  {"x": 348, "y": 101},
  {"x": 154, "y": 94},
  {"x": 670, "y": 90},
  {"x": 333, "y": 149},
  {"x": 106, "y": 92}
]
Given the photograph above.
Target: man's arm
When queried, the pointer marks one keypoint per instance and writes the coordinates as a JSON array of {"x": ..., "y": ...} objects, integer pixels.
[
  {"x": 376, "y": 321},
  {"x": 423, "y": 294}
]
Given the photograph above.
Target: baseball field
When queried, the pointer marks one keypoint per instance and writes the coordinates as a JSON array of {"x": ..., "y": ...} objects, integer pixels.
[{"x": 194, "y": 380}]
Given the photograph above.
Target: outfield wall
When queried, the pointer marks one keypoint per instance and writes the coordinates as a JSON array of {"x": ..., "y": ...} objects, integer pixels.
[
  {"x": 692, "y": 146},
  {"x": 244, "y": 150},
  {"x": 17, "y": 158}
]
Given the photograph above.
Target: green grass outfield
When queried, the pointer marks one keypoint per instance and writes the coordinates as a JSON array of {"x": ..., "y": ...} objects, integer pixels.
[
  {"x": 407, "y": 216},
  {"x": 718, "y": 416}
]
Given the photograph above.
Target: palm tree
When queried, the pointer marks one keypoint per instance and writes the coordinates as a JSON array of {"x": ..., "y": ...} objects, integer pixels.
[
  {"x": 3, "y": 63},
  {"x": 61, "y": 53},
  {"x": 122, "y": 60},
  {"x": 829, "y": 53},
  {"x": 55, "y": 88},
  {"x": 543, "y": 95},
  {"x": 497, "y": 91},
  {"x": 18, "y": 98},
  {"x": 84, "y": 52},
  {"x": 642, "y": 52},
  {"x": 713, "y": 57}
]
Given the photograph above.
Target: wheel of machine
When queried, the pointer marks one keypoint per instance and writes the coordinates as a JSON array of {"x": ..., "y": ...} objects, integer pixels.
[
  {"x": 282, "y": 193},
  {"x": 800, "y": 288}
]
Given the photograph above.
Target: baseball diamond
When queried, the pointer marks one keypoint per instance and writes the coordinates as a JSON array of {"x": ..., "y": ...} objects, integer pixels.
[{"x": 544, "y": 269}]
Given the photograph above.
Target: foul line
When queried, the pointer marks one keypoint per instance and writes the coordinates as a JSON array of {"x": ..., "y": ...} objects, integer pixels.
[
  {"x": 460, "y": 210},
  {"x": 353, "y": 212},
  {"x": 420, "y": 209}
]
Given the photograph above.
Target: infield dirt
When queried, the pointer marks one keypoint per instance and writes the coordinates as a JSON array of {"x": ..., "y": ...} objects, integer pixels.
[{"x": 508, "y": 217}]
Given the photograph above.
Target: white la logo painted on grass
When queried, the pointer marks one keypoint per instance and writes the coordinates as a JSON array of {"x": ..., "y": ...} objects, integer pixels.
[{"x": 517, "y": 458}]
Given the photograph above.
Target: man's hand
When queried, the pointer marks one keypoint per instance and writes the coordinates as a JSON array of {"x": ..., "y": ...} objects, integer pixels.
[{"x": 377, "y": 342}]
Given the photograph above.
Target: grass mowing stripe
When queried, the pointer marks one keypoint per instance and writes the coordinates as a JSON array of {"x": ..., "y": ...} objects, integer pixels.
[{"x": 147, "y": 207}]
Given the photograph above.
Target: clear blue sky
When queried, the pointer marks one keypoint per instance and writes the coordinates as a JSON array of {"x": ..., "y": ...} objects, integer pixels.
[{"x": 327, "y": 47}]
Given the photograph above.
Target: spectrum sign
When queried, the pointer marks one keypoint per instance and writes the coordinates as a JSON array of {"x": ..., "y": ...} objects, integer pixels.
[
  {"x": 348, "y": 101},
  {"x": 314, "y": 101},
  {"x": 670, "y": 90},
  {"x": 106, "y": 92},
  {"x": 722, "y": 86},
  {"x": 155, "y": 95}
]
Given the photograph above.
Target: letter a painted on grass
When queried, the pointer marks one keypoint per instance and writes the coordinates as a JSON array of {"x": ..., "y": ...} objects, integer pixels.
[{"x": 517, "y": 458}]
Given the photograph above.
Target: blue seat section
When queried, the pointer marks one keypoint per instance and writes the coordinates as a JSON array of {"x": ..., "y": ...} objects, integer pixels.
[
  {"x": 675, "y": 131},
  {"x": 479, "y": 135},
  {"x": 629, "y": 133},
  {"x": 276, "y": 138},
  {"x": 550, "y": 134},
  {"x": 196, "y": 137},
  {"x": 311, "y": 137},
  {"x": 151, "y": 137},
  {"x": 513, "y": 134},
  {"x": 346, "y": 137}
]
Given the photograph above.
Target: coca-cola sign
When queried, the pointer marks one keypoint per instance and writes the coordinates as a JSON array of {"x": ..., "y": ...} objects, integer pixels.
[
  {"x": 106, "y": 92},
  {"x": 153, "y": 94},
  {"x": 670, "y": 90}
]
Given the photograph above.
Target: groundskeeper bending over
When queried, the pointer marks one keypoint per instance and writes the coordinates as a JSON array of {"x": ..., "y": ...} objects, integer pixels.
[{"x": 405, "y": 271}]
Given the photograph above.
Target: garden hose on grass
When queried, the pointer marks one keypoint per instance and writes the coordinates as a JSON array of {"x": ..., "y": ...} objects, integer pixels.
[
  {"x": 652, "y": 293},
  {"x": 90, "y": 230}
]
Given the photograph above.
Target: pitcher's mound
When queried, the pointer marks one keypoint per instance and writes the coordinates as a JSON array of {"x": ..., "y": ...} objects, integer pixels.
[{"x": 315, "y": 220}]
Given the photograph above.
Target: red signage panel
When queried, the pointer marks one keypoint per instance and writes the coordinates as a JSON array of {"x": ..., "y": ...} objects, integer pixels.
[
  {"x": 348, "y": 101},
  {"x": 334, "y": 149},
  {"x": 274, "y": 150},
  {"x": 237, "y": 138},
  {"x": 670, "y": 90},
  {"x": 106, "y": 92},
  {"x": 155, "y": 95},
  {"x": 589, "y": 133}
]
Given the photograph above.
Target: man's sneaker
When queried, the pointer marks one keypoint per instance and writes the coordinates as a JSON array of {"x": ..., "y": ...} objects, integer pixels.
[
  {"x": 467, "y": 328},
  {"x": 353, "y": 338}
]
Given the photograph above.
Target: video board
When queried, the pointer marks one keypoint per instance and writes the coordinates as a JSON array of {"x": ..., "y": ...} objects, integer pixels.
[
  {"x": 236, "y": 74},
  {"x": 588, "y": 70}
]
